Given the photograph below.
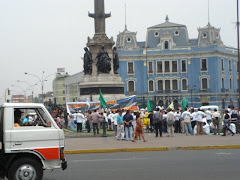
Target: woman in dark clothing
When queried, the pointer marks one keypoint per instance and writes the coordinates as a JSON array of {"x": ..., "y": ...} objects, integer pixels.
[{"x": 226, "y": 121}]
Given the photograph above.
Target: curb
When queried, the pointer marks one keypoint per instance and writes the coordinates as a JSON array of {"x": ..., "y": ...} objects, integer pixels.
[{"x": 151, "y": 149}]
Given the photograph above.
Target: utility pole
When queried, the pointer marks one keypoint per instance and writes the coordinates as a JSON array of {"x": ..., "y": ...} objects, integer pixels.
[{"x": 238, "y": 57}]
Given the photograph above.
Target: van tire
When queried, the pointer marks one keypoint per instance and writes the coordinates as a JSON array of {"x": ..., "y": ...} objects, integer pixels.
[{"x": 30, "y": 166}]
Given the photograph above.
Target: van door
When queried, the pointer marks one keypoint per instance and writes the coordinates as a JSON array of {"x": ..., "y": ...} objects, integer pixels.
[{"x": 38, "y": 134}]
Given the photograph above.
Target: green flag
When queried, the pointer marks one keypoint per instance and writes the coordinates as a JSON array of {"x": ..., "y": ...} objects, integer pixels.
[
  {"x": 149, "y": 105},
  {"x": 103, "y": 103},
  {"x": 184, "y": 103}
]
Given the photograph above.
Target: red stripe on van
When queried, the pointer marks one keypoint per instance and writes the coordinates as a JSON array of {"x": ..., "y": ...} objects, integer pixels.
[{"x": 49, "y": 153}]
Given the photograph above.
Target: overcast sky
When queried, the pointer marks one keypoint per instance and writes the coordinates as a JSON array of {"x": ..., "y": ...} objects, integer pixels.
[{"x": 43, "y": 35}]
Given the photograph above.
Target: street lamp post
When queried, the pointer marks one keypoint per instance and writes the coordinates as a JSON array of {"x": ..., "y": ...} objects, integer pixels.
[
  {"x": 191, "y": 90},
  {"x": 42, "y": 79},
  {"x": 31, "y": 86}
]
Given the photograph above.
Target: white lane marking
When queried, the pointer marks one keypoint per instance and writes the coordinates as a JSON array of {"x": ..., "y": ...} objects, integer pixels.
[
  {"x": 95, "y": 160},
  {"x": 223, "y": 153}
]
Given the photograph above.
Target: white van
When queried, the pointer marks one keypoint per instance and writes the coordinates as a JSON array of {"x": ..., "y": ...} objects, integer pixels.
[{"x": 211, "y": 107}]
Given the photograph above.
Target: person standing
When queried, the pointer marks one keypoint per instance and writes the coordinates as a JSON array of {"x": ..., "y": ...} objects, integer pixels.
[
  {"x": 150, "y": 117},
  {"x": 95, "y": 120},
  {"x": 120, "y": 128},
  {"x": 80, "y": 118},
  {"x": 128, "y": 118},
  {"x": 88, "y": 121},
  {"x": 200, "y": 115},
  {"x": 216, "y": 118},
  {"x": 170, "y": 122},
  {"x": 208, "y": 116},
  {"x": 157, "y": 121},
  {"x": 193, "y": 118},
  {"x": 226, "y": 123},
  {"x": 186, "y": 116},
  {"x": 177, "y": 117},
  {"x": 139, "y": 129}
]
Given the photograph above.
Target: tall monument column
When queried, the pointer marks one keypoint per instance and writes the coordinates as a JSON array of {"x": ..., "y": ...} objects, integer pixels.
[
  {"x": 99, "y": 17},
  {"x": 101, "y": 48}
]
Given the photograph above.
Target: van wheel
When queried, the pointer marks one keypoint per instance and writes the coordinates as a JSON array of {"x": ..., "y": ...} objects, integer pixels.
[{"x": 25, "y": 169}]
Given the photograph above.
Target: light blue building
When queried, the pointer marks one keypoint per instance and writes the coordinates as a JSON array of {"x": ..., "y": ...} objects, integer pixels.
[{"x": 169, "y": 66}]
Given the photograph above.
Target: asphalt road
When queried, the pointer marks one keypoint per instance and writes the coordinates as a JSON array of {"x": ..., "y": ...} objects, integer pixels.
[{"x": 166, "y": 165}]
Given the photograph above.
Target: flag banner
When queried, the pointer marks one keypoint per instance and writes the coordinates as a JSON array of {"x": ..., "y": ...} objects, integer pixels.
[
  {"x": 103, "y": 103},
  {"x": 129, "y": 103},
  {"x": 184, "y": 103},
  {"x": 149, "y": 105}
]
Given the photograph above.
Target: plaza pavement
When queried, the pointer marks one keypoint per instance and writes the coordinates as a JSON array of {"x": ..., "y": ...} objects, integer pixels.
[{"x": 90, "y": 144}]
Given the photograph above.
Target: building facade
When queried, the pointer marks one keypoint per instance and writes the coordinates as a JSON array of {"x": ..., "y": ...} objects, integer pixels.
[
  {"x": 169, "y": 66},
  {"x": 59, "y": 92}
]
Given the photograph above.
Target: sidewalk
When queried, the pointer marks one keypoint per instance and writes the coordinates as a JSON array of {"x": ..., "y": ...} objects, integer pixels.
[{"x": 178, "y": 142}]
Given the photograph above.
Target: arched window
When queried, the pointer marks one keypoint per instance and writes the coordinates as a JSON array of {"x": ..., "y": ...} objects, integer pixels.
[
  {"x": 131, "y": 86},
  {"x": 166, "y": 45},
  {"x": 204, "y": 83},
  {"x": 160, "y": 85},
  {"x": 184, "y": 84},
  {"x": 150, "y": 85}
]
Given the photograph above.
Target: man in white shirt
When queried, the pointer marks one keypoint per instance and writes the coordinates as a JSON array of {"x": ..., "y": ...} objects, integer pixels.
[
  {"x": 200, "y": 115},
  {"x": 193, "y": 119},
  {"x": 216, "y": 118},
  {"x": 208, "y": 116},
  {"x": 170, "y": 122},
  {"x": 79, "y": 118},
  {"x": 177, "y": 117},
  {"x": 186, "y": 116}
]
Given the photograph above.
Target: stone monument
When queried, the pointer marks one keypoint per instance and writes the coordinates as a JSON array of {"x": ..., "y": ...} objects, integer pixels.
[{"x": 102, "y": 75}]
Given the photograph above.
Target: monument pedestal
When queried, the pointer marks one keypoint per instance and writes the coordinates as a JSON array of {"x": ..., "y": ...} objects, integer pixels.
[{"x": 110, "y": 85}]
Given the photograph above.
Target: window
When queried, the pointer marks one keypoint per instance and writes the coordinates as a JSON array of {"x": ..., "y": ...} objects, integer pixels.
[
  {"x": 131, "y": 86},
  {"x": 167, "y": 86},
  {"x": 176, "y": 33},
  {"x": 150, "y": 67},
  {"x": 222, "y": 64},
  {"x": 204, "y": 64},
  {"x": 166, "y": 45},
  {"x": 174, "y": 85},
  {"x": 230, "y": 83},
  {"x": 222, "y": 82},
  {"x": 63, "y": 91},
  {"x": 130, "y": 68},
  {"x": 229, "y": 65},
  {"x": 160, "y": 85},
  {"x": 159, "y": 67},
  {"x": 167, "y": 69},
  {"x": 150, "y": 85},
  {"x": 204, "y": 35},
  {"x": 31, "y": 117},
  {"x": 174, "y": 66},
  {"x": 64, "y": 98},
  {"x": 184, "y": 84},
  {"x": 184, "y": 66},
  {"x": 204, "y": 84},
  {"x": 129, "y": 39},
  {"x": 156, "y": 34}
]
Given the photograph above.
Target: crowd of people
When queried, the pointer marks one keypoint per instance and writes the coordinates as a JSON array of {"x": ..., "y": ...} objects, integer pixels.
[{"x": 128, "y": 125}]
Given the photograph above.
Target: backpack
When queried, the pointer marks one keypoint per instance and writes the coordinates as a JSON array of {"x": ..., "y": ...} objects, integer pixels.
[{"x": 170, "y": 121}]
